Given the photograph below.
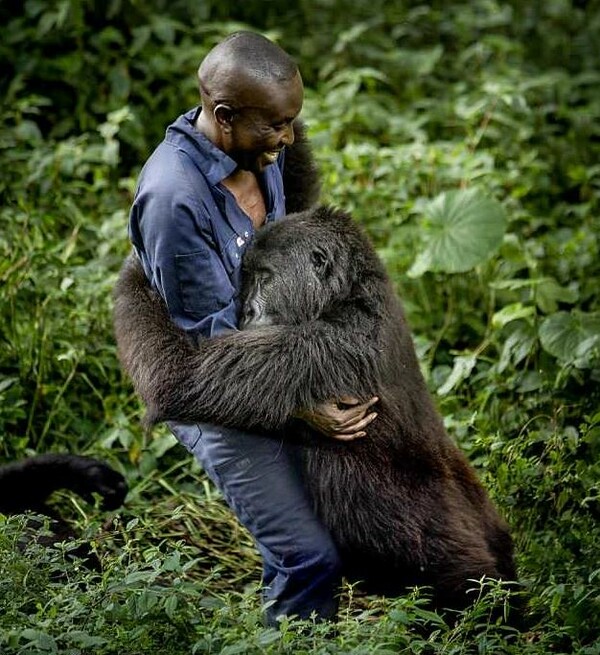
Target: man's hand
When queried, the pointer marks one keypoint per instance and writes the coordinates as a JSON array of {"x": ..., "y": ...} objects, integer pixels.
[{"x": 344, "y": 419}]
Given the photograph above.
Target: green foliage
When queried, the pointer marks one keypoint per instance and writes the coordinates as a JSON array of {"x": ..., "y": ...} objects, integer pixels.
[
  {"x": 573, "y": 338},
  {"x": 462, "y": 229},
  {"x": 464, "y": 136}
]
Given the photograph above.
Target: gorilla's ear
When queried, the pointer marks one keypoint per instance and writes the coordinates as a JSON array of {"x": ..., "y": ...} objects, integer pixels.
[{"x": 320, "y": 261}]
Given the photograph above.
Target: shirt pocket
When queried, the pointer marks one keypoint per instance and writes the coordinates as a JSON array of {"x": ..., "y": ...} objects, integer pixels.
[
  {"x": 204, "y": 283},
  {"x": 232, "y": 255}
]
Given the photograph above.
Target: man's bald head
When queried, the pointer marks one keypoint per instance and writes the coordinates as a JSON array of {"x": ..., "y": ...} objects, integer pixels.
[{"x": 238, "y": 65}]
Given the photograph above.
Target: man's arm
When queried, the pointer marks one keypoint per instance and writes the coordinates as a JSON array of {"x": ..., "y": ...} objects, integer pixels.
[{"x": 171, "y": 231}]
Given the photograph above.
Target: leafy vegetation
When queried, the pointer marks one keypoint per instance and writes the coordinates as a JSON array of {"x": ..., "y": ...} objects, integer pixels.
[{"x": 465, "y": 137}]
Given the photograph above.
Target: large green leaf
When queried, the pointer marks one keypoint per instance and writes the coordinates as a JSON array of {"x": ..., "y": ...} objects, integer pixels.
[
  {"x": 462, "y": 229},
  {"x": 573, "y": 338}
]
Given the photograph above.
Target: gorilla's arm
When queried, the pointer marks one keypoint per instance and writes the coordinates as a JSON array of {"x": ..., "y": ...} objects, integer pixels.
[
  {"x": 26, "y": 485},
  {"x": 252, "y": 379},
  {"x": 301, "y": 180}
]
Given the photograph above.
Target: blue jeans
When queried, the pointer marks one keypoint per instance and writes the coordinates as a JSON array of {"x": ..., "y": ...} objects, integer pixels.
[{"x": 260, "y": 477}]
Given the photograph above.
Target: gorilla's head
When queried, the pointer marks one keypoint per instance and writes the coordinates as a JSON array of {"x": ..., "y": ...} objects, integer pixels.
[{"x": 295, "y": 269}]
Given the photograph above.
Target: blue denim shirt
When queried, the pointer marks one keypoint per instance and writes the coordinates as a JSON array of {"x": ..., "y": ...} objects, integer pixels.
[{"x": 189, "y": 231}]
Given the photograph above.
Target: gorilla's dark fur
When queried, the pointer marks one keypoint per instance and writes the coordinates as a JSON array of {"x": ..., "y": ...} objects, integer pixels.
[
  {"x": 26, "y": 486},
  {"x": 301, "y": 179},
  {"x": 403, "y": 504}
]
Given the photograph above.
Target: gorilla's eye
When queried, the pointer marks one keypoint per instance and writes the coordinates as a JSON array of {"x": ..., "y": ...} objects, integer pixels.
[
  {"x": 319, "y": 259},
  {"x": 263, "y": 275}
]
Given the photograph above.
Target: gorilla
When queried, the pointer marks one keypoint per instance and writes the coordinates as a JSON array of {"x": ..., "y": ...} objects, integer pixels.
[
  {"x": 27, "y": 484},
  {"x": 320, "y": 320}
]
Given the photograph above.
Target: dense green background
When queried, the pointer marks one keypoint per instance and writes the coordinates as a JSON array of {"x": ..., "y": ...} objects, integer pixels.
[{"x": 412, "y": 108}]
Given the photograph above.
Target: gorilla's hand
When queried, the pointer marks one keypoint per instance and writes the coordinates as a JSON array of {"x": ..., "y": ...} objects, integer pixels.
[{"x": 344, "y": 419}]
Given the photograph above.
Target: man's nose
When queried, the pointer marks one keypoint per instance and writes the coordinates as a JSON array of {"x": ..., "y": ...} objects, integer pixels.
[{"x": 287, "y": 136}]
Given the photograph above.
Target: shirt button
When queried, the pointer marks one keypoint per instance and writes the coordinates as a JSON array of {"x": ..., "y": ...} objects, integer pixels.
[{"x": 246, "y": 234}]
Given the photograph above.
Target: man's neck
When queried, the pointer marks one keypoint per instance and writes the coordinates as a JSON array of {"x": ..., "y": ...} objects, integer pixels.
[{"x": 245, "y": 187}]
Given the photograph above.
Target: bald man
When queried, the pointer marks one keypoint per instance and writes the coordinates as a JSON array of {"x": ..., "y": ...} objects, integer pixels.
[{"x": 215, "y": 179}]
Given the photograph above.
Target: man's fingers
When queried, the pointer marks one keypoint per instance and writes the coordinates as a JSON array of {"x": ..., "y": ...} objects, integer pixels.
[
  {"x": 352, "y": 420},
  {"x": 361, "y": 425},
  {"x": 341, "y": 424},
  {"x": 356, "y": 424}
]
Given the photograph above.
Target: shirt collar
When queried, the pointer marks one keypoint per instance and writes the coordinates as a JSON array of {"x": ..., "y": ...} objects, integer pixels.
[{"x": 214, "y": 163}]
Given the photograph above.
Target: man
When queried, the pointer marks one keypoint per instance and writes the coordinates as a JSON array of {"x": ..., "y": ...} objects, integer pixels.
[{"x": 213, "y": 181}]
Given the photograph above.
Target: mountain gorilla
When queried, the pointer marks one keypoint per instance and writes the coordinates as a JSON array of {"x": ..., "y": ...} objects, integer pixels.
[
  {"x": 320, "y": 320},
  {"x": 27, "y": 484}
]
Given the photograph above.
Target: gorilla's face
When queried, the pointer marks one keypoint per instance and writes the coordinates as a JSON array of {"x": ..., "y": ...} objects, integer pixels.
[{"x": 289, "y": 275}]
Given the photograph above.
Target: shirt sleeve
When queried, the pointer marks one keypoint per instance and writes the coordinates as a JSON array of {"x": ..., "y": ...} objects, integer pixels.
[{"x": 171, "y": 230}]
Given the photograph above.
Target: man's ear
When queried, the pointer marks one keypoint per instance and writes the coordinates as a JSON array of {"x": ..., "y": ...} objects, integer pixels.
[{"x": 223, "y": 115}]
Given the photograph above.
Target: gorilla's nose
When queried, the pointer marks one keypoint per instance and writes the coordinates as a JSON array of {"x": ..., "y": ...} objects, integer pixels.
[{"x": 253, "y": 317}]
